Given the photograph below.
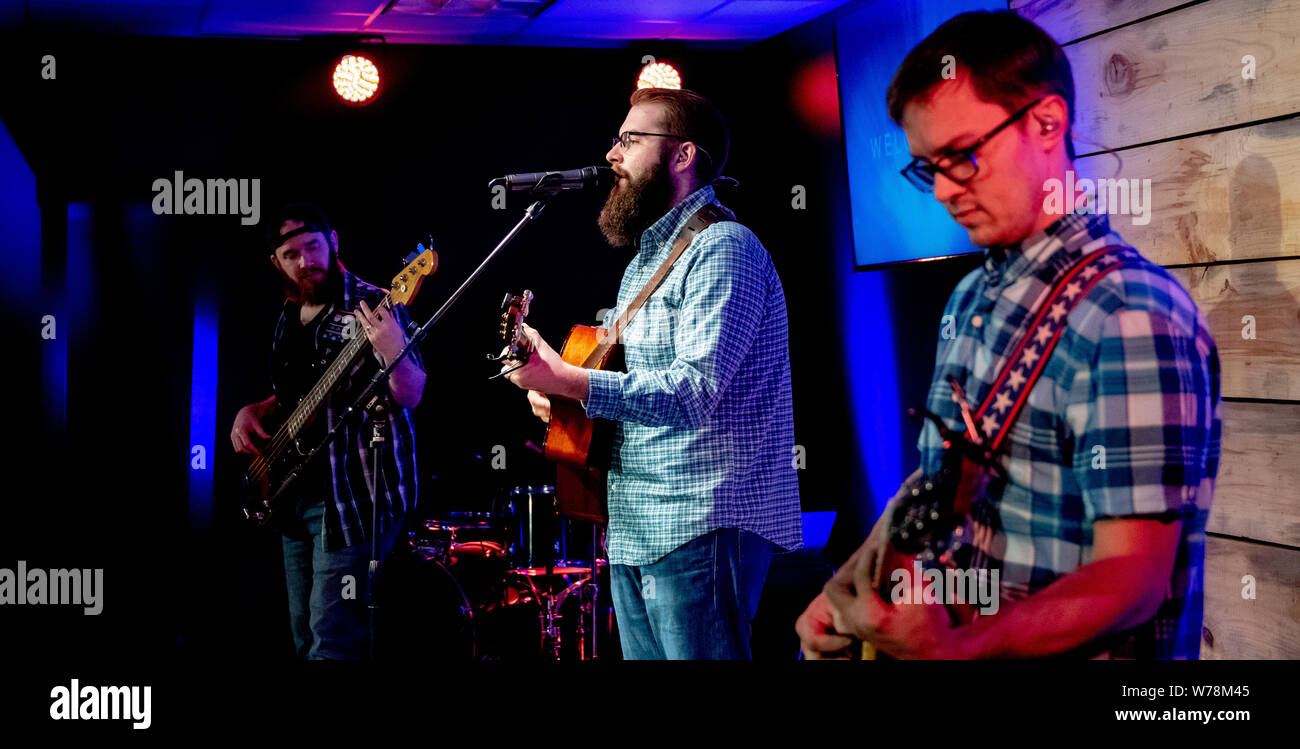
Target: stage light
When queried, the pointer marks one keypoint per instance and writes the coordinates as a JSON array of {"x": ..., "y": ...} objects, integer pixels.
[
  {"x": 356, "y": 78},
  {"x": 659, "y": 75}
]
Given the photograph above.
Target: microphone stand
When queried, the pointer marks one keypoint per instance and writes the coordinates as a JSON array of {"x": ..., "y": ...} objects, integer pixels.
[
  {"x": 369, "y": 400},
  {"x": 378, "y": 438}
]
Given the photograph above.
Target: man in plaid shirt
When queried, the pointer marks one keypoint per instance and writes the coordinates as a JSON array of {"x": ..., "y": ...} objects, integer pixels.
[
  {"x": 1098, "y": 530},
  {"x": 702, "y": 483},
  {"x": 326, "y": 520}
]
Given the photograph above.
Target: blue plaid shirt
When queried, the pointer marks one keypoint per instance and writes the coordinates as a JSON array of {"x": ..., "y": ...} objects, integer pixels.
[
  {"x": 348, "y": 505},
  {"x": 705, "y": 434},
  {"x": 1123, "y": 423}
]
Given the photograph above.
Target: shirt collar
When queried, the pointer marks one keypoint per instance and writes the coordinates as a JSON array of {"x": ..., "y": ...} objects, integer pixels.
[
  {"x": 1057, "y": 246},
  {"x": 670, "y": 224}
]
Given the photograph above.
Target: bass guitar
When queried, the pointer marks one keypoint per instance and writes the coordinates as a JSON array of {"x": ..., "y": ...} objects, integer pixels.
[{"x": 286, "y": 453}]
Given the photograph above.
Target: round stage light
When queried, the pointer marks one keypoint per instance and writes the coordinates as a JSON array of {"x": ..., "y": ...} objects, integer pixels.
[
  {"x": 659, "y": 75},
  {"x": 356, "y": 78}
]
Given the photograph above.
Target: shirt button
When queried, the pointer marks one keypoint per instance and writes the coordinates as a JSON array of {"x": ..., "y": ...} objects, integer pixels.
[
  {"x": 613, "y": 485},
  {"x": 977, "y": 321}
]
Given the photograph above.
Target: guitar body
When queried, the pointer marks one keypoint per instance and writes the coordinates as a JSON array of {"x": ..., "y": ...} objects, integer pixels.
[
  {"x": 930, "y": 524},
  {"x": 578, "y": 445},
  {"x": 259, "y": 486}
]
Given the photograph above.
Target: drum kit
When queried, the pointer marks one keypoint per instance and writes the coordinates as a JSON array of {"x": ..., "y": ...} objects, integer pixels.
[{"x": 519, "y": 581}]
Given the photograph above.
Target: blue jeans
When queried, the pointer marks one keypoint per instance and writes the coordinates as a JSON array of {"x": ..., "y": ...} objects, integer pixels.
[
  {"x": 327, "y": 613},
  {"x": 696, "y": 603}
]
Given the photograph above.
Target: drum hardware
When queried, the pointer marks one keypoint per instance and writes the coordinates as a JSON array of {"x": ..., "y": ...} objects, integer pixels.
[{"x": 521, "y": 583}]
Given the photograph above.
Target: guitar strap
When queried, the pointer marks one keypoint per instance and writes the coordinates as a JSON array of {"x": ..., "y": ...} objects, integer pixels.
[
  {"x": 1029, "y": 356},
  {"x": 706, "y": 216}
]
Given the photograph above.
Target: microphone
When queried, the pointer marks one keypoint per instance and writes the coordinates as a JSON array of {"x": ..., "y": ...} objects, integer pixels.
[{"x": 587, "y": 178}]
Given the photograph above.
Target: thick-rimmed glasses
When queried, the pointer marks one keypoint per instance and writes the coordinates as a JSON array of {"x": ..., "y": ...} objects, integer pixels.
[
  {"x": 959, "y": 166},
  {"x": 625, "y": 138}
]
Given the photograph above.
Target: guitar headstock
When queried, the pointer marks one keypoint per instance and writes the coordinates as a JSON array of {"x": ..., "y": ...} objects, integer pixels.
[
  {"x": 419, "y": 265},
  {"x": 515, "y": 344}
]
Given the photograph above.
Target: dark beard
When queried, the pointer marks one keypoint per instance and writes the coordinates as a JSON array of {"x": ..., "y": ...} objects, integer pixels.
[
  {"x": 633, "y": 207},
  {"x": 312, "y": 292}
]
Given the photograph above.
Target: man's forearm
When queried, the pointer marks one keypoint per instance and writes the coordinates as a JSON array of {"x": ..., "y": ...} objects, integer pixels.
[
  {"x": 407, "y": 383},
  {"x": 1101, "y": 598}
]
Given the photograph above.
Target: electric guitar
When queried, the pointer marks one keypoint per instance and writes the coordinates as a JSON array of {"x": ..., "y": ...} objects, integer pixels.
[
  {"x": 286, "y": 452},
  {"x": 936, "y": 521},
  {"x": 932, "y": 523},
  {"x": 579, "y": 446}
]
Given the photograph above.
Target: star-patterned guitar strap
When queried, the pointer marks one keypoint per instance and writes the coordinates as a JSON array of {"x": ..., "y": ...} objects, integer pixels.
[{"x": 1029, "y": 356}]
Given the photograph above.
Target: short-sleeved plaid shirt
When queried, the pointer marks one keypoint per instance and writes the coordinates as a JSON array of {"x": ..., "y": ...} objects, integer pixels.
[
  {"x": 1123, "y": 423},
  {"x": 348, "y": 509},
  {"x": 705, "y": 436}
]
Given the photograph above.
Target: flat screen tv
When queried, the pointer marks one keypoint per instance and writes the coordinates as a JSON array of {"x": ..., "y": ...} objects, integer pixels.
[{"x": 892, "y": 221}]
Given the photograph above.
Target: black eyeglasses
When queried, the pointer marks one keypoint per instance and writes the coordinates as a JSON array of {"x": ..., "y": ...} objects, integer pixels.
[
  {"x": 959, "y": 166},
  {"x": 624, "y": 139}
]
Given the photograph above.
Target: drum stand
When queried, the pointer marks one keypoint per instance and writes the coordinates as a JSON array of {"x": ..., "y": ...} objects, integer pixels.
[{"x": 587, "y": 588}]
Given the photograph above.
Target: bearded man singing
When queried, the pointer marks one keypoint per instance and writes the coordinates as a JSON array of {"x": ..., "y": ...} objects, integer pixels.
[{"x": 702, "y": 487}]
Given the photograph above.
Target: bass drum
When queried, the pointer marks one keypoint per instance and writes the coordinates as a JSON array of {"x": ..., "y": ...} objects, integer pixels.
[
  {"x": 463, "y": 609},
  {"x": 423, "y": 612}
]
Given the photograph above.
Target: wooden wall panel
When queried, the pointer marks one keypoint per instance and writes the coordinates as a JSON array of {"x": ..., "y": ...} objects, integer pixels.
[
  {"x": 1261, "y": 628},
  {"x": 1233, "y": 195},
  {"x": 1180, "y": 73},
  {"x": 1269, "y": 365},
  {"x": 1067, "y": 20},
  {"x": 1258, "y": 491},
  {"x": 1227, "y": 196}
]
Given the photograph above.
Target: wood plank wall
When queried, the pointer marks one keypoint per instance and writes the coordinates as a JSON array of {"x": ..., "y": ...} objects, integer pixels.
[{"x": 1160, "y": 83}]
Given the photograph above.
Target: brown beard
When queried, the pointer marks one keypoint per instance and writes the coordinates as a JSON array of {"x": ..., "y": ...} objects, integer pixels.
[
  {"x": 313, "y": 291},
  {"x": 632, "y": 207}
]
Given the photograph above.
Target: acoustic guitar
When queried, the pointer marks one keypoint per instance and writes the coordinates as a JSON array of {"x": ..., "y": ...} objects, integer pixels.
[
  {"x": 286, "y": 453},
  {"x": 578, "y": 445}
]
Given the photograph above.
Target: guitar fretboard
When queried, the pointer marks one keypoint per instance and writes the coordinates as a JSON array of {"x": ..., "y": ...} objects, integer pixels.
[{"x": 355, "y": 348}]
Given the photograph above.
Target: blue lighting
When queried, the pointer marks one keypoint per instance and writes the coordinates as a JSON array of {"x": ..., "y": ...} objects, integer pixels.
[
  {"x": 873, "y": 381},
  {"x": 203, "y": 407},
  {"x": 20, "y": 225}
]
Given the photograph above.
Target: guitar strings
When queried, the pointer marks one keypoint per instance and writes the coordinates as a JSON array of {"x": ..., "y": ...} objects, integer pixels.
[
  {"x": 261, "y": 463},
  {"x": 281, "y": 438}
]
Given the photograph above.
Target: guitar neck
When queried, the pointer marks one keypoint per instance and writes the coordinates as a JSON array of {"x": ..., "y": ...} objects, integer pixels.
[{"x": 357, "y": 347}]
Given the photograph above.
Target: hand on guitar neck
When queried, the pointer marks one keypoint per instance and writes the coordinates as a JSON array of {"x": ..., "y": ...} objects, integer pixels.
[{"x": 546, "y": 372}]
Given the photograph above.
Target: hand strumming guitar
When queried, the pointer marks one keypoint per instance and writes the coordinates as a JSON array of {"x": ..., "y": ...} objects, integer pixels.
[{"x": 248, "y": 423}]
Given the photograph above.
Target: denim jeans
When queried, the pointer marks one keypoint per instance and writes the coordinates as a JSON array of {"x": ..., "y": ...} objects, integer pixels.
[
  {"x": 696, "y": 603},
  {"x": 327, "y": 614}
]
